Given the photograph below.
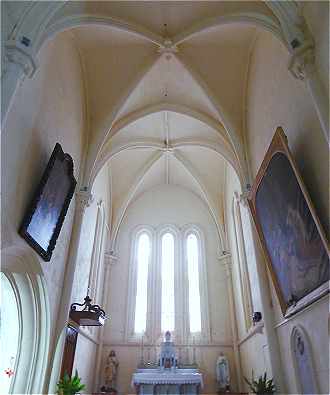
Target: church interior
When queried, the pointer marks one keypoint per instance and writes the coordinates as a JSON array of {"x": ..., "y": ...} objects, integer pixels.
[{"x": 146, "y": 242}]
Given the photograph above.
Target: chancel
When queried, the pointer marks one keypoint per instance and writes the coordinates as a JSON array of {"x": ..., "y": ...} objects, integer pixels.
[
  {"x": 164, "y": 197},
  {"x": 169, "y": 377}
]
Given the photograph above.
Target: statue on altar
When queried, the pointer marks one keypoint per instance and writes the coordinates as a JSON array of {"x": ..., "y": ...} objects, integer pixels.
[
  {"x": 168, "y": 377},
  {"x": 167, "y": 358},
  {"x": 111, "y": 370},
  {"x": 223, "y": 373}
]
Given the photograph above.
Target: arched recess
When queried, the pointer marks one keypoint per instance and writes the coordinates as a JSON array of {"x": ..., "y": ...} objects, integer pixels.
[
  {"x": 23, "y": 270},
  {"x": 302, "y": 357}
]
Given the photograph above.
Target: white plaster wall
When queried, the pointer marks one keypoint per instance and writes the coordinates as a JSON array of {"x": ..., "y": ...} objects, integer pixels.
[
  {"x": 274, "y": 99},
  {"x": 88, "y": 338},
  {"x": 85, "y": 362},
  {"x": 100, "y": 191},
  {"x": 254, "y": 351},
  {"x": 161, "y": 205},
  {"x": 47, "y": 109},
  {"x": 316, "y": 14}
]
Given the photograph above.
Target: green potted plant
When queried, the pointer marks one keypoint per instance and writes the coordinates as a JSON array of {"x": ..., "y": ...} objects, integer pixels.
[
  {"x": 262, "y": 385},
  {"x": 70, "y": 385}
]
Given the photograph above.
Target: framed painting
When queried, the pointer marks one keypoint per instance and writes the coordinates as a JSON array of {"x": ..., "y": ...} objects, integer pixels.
[
  {"x": 295, "y": 246},
  {"x": 43, "y": 221}
]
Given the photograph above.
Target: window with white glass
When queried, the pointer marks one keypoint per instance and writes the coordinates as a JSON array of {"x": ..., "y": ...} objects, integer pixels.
[
  {"x": 168, "y": 303},
  {"x": 168, "y": 284},
  {"x": 141, "y": 300},
  {"x": 195, "y": 324}
]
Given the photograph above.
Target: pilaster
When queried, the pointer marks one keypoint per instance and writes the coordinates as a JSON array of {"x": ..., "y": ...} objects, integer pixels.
[
  {"x": 110, "y": 259},
  {"x": 226, "y": 261},
  {"x": 18, "y": 64},
  {"x": 83, "y": 199},
  {"x": 302, "y": 66}
]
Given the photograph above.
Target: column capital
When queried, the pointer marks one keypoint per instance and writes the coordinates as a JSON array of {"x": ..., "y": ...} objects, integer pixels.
[
  {"x": 18, "y": 56},
  {"x": 302, "y": 63},
  {"x": 83, "y": 200},
  {"x": 242, "y": 198},
  {"x": 225, "y": 259},
  {"x": 110, "y": 258}
]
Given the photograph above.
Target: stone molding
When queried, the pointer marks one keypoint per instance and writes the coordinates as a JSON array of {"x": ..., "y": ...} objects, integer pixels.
[
  {"x": 16, "y": 55},
  {"x": 110, "y": 258},
  {"x": 83, "y": 200},
  {"x": 302, "y": 63}
]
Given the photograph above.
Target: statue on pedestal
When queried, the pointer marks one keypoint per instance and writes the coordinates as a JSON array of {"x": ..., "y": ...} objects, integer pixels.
[
  {"x": 168, "y": 359},
  {"x": 223, "y": 373},
  {"x": 111, "y": 371}
]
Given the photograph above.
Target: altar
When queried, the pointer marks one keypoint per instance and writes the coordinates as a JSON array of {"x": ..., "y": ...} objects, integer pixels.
[{"x": 168, "y": 378}]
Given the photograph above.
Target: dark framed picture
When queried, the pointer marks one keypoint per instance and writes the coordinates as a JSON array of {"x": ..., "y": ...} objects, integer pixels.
[
  {"x": 295, "y": 246},
  {"x": 43, "y": 221}
]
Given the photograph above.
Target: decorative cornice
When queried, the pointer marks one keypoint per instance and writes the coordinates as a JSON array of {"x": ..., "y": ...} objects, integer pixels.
[
  {"x": 302, "y": 63},
  {"x": 16, "y": 55}
]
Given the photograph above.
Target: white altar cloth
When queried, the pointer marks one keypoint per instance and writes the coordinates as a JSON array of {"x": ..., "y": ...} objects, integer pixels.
[{"x": 177, "y": 377}]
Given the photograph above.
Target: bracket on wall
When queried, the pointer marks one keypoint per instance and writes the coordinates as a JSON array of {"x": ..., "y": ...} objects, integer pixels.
[{"x": 90, "y": 315}]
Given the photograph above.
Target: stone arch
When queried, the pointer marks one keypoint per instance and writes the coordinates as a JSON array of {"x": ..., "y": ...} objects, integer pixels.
[
  {"x": 24, "y": 272},
  {"x": 43, "y": 22},
  {"x": 302, "y": 357}
]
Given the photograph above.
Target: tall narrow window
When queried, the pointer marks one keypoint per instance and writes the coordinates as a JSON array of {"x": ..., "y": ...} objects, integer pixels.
[
  {"x": 168, "y": 282},
  {"x": 193, "y": 278},
  {"x": 141, "y": 301}
]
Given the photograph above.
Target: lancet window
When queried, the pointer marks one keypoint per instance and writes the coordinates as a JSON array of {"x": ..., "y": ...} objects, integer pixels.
[{"x": 168, "y": 284}]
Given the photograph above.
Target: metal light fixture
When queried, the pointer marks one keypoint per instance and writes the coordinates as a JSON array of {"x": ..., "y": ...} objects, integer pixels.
[{"x": 89, "y": 315}]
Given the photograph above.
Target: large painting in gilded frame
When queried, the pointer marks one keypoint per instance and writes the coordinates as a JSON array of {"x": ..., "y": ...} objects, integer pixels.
[
  {"x": 294, "y": 243},
  {"x": 43, "y": 221}
]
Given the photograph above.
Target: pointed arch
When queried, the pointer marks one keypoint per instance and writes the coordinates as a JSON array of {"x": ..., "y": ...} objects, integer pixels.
[
  {"x": 158, "y": 145},
  {"x": 190, "y": 170},
  {"x": 101, "y": 136},
  {"x": 24, "y": 272},
  {"x": 130, "y": 195},
  {"x": 249, "y": 18},
  {"x": 224, "y": 117},
  {"x": 302, "y": 357},
  {"x": 84, "y": 19}
]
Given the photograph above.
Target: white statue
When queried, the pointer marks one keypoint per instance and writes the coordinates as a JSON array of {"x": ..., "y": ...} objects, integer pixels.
[
  {"x": 111, "y": 370},
  {"x": 223, "y": 374}
]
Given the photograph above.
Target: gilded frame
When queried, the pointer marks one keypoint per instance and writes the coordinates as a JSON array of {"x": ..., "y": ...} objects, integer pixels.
[{"x": 273, "y": 232}]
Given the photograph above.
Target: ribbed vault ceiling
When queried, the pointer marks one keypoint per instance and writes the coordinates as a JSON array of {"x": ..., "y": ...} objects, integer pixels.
[{"x": 165, "y": 86}]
